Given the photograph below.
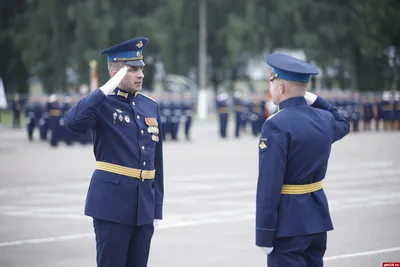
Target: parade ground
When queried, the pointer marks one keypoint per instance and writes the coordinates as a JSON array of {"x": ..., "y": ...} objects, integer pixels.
[{"x": 209, "y": 205}]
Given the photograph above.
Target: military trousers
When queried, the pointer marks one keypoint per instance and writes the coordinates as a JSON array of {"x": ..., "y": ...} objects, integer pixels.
[
  {"x": 30, "y": 128},
  {"x": 238, "y": 123},
  {"x": 174, "y": 130},
  {"x": 223, "y": 124},
  {"x": 119, "y": 245},
  {"x": 188, "y": 123},
  {"x": 299, "y": 251}
]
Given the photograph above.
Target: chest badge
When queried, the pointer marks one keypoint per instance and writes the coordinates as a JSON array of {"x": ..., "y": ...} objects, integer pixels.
[
  {"x": 115, "y": 115},
  {"x": 120, "y": 118},
  {"x": 127, "y": 119}
]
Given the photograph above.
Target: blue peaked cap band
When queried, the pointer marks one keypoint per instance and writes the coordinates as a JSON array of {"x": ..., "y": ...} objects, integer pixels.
[
  {"x": 125, "y": 55},
  {"x": 289, "y": 68},
  {"x": 291, "y": 76},
  {"x": 129, "y": 52}
]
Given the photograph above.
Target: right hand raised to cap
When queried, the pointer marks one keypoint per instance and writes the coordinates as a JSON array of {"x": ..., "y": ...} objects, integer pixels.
[
  {"x": 310, "y": 98},
  {"x": 113, "y": 83}
]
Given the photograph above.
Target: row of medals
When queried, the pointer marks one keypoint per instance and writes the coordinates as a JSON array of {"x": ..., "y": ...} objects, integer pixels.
[
  {"x": 154, "y": 131},
  {"x": 121, "y": 118}
]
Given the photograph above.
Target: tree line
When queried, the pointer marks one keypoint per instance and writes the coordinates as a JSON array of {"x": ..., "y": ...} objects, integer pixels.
[{"x": 357, "y": 42}]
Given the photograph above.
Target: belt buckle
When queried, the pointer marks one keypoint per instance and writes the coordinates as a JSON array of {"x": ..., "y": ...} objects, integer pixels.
[{"x": 143, "y": 175}]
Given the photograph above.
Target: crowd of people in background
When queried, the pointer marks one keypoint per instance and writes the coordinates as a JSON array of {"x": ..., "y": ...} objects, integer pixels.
[
  {"x": 246, "y": 110},
  {"x": 365, "y": 111},
  {"x": 46, "y": 116}
]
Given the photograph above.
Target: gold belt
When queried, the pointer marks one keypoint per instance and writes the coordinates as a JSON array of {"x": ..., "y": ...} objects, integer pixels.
[
  {"x": 55, "y": 112},
  {"x": 122, "y": 170},
  {"x": 239, "y": 108},
  {"x": 223, "y": 110},
  {"x": 293, "y": 189}
]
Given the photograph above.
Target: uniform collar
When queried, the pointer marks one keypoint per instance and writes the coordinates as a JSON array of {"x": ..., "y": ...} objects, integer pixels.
[
  {"x": 124, "y": 95},
  {"x": 293, "y": 101}
]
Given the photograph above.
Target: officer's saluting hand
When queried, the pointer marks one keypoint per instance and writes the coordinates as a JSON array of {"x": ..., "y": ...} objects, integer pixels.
[
  {"x": 114, "y": 81},
  {"x": 126, "y": 192}
]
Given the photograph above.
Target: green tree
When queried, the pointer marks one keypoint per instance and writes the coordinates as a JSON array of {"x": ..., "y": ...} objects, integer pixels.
[{"x": 12, "y": 69}]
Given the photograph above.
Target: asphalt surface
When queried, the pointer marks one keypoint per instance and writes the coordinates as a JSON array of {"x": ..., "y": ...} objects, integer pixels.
[{"x": 209, "y": 202}]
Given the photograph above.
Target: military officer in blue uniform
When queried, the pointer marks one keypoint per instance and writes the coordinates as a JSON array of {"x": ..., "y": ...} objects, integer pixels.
[
  {"x": 248, "y": 103},
  {"x": 166, "y": 114},
  {"x": 30, "y": 118},
  {"x": 292, "y": 214},
  {"x": 338, "y": 102},
  {"x": 16, "y": 109},
  {"x": 239, "y": 109},
  {"x": 377, "y": 111},
  {"x": 176, "y": 116},
  {"x": 44, "y": 120},
  {"x": 55, "y": 114},
  {"x": 223, "y": 113},
  {"x": 348, "y": 107},
  {"x": 386, "y": 106},
  {"x": 33, "y": 114},
  {"x": 188, "y": 107},
  {"x": 264, "y": 111},
  {"x": 367, "y": 112},
  {"x": 355, "y": 111},
  {"x": 257, "y": 109},
  {"x": 125, "y": 196}
]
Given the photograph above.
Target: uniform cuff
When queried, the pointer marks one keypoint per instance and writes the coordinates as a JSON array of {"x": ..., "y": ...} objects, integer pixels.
[
  {"x": 265, "y": 237},
  {"x": 158, "y": 211},
  {"x": 95, "y": 98},
  {"x": 321, "y": 103}
]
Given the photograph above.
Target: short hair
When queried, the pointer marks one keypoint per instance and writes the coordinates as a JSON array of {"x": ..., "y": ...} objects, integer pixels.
[
  {"x": 114, "y": 65},
  {"x": 297, "y": 85},
  {"x": 301, "y": 85}
]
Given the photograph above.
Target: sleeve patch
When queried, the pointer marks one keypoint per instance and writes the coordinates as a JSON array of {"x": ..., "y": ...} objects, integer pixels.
[{"x": 263, "y": 144}]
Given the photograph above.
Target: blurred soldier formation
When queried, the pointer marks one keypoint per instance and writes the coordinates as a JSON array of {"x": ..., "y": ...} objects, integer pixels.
[
  {"x": 246, "y": 110},
  {"x": 46, "y": 116},
  {"x": 177, "y": 110},
  {"x": 365, "y": 112}
]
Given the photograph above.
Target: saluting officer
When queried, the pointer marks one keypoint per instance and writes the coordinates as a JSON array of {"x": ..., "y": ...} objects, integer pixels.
[
  {"x": 292, "y": 214},
  {"x": 125, "y": 196}
]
